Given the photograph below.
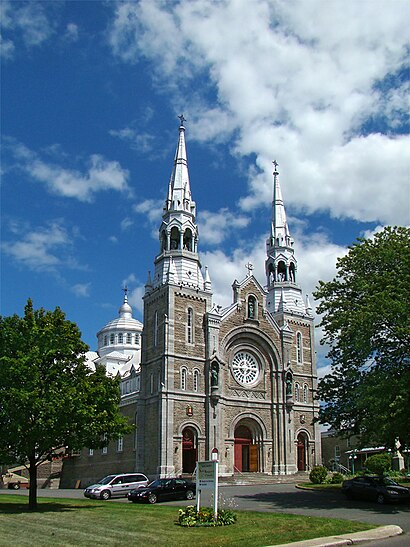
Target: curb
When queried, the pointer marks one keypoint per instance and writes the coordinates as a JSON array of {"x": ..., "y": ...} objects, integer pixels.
[{"x": 382, "y": 532}]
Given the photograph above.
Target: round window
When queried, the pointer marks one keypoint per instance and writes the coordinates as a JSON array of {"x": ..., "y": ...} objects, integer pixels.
[{"x": 245, "y": 368}]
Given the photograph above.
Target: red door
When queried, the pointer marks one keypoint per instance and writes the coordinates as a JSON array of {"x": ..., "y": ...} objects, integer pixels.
[
  {"x": 189, "y": 450},
  {"x": 244, "y": 453},
  {"x": 301, "y": 453}
]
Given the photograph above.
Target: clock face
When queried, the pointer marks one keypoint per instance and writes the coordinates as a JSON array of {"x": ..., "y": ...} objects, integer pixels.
[{"x": 245, "y": 368}]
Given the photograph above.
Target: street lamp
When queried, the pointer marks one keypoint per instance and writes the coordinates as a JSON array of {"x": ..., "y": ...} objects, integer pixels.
[{"x": 352, "y": 458}]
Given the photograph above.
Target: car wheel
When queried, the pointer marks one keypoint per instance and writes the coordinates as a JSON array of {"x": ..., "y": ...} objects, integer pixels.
[
  {"x": 380, "y": 499},
  {"x": 152, "y": 498},
  {"x": 189, "y": 495},
  {"x": 15, "y": 486},
  {"x": 105, "y": 495}
]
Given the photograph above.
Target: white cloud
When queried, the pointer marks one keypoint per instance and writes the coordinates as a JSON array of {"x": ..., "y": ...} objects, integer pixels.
[
  {"x": 135, "y": 298},
  {"x": 292, "y": 86},
  {"x": 72, "y": 32},
  {"x": 29, "y": 19},
  {"x": 141, "y": 142},
  {"x": 215, "y": 227},
  {"x": 81, "y": 289},
  {"x": 38, "y": 249},
  {"x": 126, "y": 223},
  {"x": 100, "y": 174},
  {"x": 152, "y": 209}
]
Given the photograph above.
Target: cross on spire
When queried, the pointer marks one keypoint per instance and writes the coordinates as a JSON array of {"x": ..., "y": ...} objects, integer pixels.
[
  {"x": 275, "y": 163},
  {"x": 125, "y": 289},
  {"x": 181, "y": 117},
  {"x": 249, "y": 267}
]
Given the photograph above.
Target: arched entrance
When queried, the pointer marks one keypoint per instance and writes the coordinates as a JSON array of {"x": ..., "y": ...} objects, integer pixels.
[
  {"x": 246, "y": 451},
  {"x": 302, "y": 452},
  {"x": 189, "y": 450}
]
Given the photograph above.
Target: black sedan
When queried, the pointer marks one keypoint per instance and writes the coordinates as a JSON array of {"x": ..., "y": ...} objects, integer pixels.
[
  {"x": 374, "y": 488},
  {"x": 164, "y": 490}
]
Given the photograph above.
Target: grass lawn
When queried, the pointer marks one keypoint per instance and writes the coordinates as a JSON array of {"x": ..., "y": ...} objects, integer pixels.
[{"x": 66, "y": 522}]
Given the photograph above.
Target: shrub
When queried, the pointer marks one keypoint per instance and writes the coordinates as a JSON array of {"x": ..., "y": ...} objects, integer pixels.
[
  {"x": 336, "y": 478},
  {"x": 318, "y": 474},
  {"x": 205, "y": 517},
  {"x": 379, "y": 463}
]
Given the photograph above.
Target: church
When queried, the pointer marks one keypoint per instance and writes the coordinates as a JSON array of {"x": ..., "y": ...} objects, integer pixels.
[{"x": 238, "y": 381}]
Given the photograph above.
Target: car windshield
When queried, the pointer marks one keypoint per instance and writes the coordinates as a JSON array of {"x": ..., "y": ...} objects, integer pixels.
[
  {"x": 155, "y": 484},
  {"x": 388, "y": 482},
  {"x": 106, "y": 480}
]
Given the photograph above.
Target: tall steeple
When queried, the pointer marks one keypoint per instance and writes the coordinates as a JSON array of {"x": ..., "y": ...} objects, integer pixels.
[
  {"x": 285, "y": 294},
  {"x": 178, "y": 262}
]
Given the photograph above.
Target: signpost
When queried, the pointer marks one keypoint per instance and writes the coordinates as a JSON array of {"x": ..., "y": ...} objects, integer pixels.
[{"x": 207, "y": 479}]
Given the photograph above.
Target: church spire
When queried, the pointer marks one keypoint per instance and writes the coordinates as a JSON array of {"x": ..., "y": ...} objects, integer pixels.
[
  {"x": 280, "y": 235},
  {"x": 178, "y": 262},
  {"x": 281, "y": 263},
  {"x": 179, "y": 190}
]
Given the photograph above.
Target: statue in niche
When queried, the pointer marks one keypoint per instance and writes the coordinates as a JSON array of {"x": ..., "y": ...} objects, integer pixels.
[
  {"x": 251, "y": 308},
  {"x": 214, "y": 375},
  {"x": 289, "y": 385}
]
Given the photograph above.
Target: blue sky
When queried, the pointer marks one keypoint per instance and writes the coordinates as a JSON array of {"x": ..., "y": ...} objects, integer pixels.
[{"x": 90, "y": 97}]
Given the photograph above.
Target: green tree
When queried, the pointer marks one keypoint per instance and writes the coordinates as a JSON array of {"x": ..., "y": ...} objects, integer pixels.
[
  {"x": 366, "y": 325},
  {"x": 49, "y": 398}
]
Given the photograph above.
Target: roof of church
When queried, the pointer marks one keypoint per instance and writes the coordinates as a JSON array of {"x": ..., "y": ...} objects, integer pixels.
[{"x": 125, "y": 320}]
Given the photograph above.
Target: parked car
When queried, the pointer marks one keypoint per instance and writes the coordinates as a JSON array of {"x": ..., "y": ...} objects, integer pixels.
[
  {"x": 14, "y": 481},
  {"x": 116, "y": 486},
  {"x": 164, "y": 490},
  {"x": 380, "y": 489}
]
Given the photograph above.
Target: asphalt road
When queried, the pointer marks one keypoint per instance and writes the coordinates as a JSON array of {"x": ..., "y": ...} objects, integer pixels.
[{"x": 285, "y": 498}]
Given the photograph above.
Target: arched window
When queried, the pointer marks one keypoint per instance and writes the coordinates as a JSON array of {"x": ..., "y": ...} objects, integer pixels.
[
  {"x": 189, "y": 326},
  {"x": 271, "y": 273},
  {"x": 297, "y": 392},
  {"x": 156, "y": 329},
  {"x": 137, "y": 339},
  {"x": 163, "y": 241},
  {"x": 281, "y": 271},
  {"x": 105, "y": 340},
  {"x": 252, "y": 311},
  {"x": 112, "y": 338},
  {"x": 183, "y": 378},
  {"x": 305, "y": 393},
  {"x": 120, "y": 337},
  {"x": 129, "y": 338},
  {"x": 175, "y": 238},
  {"x": 188, "y": 240},
  {"x": 299, "y": 348},
  {"x": 151, "y": 383},
  {"x": 196, "y": 379},
  {"x": 292, "y": 272}
]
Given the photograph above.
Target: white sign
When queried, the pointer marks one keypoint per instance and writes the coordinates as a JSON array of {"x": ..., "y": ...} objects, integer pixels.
[
  {"x": 207, "y": 479},
  {"x": 206, "y": 475}
]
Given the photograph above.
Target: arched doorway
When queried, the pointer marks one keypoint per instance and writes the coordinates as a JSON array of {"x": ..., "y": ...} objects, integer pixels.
[
  {"x": 302, "y": 452},
  {"x": 246, "y": 451},
  {"x": 189, "y": 450}
]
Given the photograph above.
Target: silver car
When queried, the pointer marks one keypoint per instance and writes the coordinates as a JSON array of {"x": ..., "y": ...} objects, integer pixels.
[{"x": 116, "y": 486}]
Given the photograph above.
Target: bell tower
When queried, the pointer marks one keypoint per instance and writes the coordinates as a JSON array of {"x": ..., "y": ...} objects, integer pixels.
[
  {"x": 171, "y": 413},
  {"x": 284, "y": 293}
]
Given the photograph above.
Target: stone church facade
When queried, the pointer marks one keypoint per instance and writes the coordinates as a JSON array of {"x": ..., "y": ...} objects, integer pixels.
[{"x": 239, "y": 379}]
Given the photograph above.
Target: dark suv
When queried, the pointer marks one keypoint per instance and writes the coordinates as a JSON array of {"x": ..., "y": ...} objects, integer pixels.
[{"x": 116, "y": 486}]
